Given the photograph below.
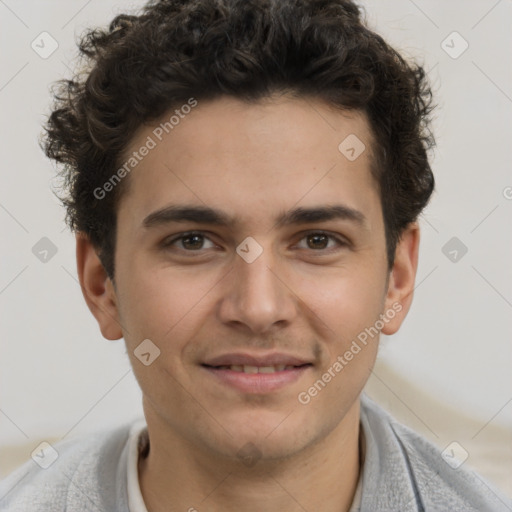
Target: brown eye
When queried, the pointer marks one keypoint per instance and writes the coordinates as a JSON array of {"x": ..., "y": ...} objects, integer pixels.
[
  {"x": 321, "y": 242},
  {"x": 192, "y": 242},
  {"x": 189, "y": 242},
  {"x": 317, "y": 241}
]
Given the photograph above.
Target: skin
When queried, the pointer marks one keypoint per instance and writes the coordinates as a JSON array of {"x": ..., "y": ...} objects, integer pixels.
[{"x": 300, "y": 296}]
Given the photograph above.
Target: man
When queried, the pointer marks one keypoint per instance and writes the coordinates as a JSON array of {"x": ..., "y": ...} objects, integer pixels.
[{"x": 244, "y": 179}]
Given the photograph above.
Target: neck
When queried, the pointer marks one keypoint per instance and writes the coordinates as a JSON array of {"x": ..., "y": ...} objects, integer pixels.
[{"x": 178, "y": 474}]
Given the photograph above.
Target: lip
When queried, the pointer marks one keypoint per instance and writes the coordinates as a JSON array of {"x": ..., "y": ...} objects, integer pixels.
[
  {"x": 257, "y": 383},
  {"x": 269, "y": 359}
]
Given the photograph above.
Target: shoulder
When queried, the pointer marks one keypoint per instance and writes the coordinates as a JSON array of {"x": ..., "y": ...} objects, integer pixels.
[
  {"x": 86, "y": 472},
  {"x": 403, "y": 471}
]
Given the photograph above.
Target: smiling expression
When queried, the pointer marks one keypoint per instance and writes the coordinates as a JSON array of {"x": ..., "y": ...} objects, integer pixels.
[{"x": 251, "y": 252}]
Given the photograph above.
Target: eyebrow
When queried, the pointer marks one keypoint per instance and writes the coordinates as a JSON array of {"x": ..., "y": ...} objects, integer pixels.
[{"x": 212, "y": 216}]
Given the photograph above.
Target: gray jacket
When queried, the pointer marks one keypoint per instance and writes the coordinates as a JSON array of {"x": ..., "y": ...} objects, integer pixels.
[{"x": 402, "y": 473}]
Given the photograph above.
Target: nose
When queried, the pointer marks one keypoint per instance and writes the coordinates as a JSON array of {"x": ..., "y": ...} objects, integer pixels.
[{"x": 257, "y": 297}]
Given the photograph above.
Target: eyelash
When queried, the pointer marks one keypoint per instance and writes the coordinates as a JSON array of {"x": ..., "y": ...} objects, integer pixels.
[{"x": 341, "y": 242}]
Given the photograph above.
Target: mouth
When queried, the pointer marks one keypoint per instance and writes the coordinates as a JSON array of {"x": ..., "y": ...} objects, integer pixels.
[
  {"x": 256, "y": 369},
  {"x": 256, "y": 375}
]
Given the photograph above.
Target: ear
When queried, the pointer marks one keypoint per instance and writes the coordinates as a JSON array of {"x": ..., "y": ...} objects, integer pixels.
[
  {"x": 97, "y": 288},
  {"x": 401, "y": 279}
]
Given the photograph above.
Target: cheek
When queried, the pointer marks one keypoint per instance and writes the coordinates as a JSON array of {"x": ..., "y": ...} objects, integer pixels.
[
  {"x": 168, "y": 310},
  {"x": 347, "y": 307},
  {"x": 346, "y": 304},
  {"x": 163, "y": 305}
]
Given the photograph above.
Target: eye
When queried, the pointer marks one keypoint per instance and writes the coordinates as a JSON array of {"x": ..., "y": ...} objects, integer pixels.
[
  {"x": 192, "y": 241},
  {"x": 319, "y": 241},
  {"x": 196, "y": 241}
]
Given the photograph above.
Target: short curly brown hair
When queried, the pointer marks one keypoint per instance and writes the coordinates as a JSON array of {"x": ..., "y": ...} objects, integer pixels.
[{"x": 143, "y": 66}]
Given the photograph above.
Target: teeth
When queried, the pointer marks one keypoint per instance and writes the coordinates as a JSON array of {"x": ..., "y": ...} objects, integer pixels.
[{"x": 259, "y": 369}]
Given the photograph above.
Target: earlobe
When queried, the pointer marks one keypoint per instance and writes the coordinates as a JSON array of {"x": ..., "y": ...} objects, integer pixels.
[
  {"x": 402, "y": 277},
  {"x": 97, "y": 288}
]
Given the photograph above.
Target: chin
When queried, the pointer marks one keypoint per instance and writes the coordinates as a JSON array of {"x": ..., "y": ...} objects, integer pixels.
[{"x": 268, "y": 435}]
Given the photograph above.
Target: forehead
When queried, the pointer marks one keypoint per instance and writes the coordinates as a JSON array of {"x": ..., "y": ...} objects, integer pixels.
[{"x": 252, "y": 159}]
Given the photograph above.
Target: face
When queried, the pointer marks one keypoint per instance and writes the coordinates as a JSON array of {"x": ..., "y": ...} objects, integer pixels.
[{"x": 251, "y": 252}]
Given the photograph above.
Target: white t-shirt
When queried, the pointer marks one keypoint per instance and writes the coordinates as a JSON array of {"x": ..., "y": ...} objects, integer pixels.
[{"x": 137, "y": 443}]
